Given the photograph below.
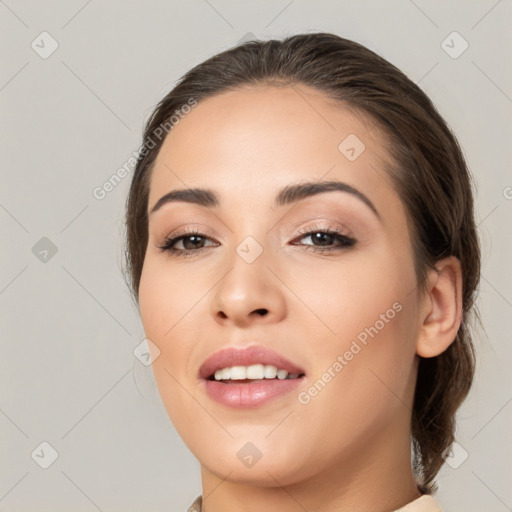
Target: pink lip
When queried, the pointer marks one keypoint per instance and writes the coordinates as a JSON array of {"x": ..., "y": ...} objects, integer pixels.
[
  {"x": 248, "y": 394},
  {"x": 254, "y": 354}
]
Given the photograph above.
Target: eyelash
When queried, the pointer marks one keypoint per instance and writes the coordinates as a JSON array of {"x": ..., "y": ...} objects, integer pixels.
[{"x": 345, "y": 241}]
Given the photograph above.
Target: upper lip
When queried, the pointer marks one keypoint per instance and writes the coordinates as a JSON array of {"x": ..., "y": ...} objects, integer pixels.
[{"x": 246, "y": 356}]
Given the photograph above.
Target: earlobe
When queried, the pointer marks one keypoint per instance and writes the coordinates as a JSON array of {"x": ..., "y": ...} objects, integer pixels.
[{"x": 442, "y": 311}]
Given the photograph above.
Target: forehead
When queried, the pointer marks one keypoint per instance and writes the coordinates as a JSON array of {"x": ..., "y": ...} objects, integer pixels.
[{"x": 260, "y": 138}]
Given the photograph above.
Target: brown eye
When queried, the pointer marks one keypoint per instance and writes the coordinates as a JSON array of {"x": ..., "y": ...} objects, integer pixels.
[
  {"x": 323, "y": 240},
  {"x": 192, "y": 242}
]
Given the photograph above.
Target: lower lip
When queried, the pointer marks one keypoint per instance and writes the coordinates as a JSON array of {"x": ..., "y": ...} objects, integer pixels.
[{"x": 250, "y": 394}]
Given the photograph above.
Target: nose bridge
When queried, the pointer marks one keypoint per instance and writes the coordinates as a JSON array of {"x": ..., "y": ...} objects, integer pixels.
[
  {"x": 249, "y": 289},
  {"x": 251, "y": 237}
]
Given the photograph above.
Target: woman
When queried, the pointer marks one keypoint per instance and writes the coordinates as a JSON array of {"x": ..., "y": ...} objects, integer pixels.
[{"x": 302, "y": 246}]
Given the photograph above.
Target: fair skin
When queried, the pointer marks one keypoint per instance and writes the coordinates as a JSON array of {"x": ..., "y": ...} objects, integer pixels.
[{"x": 348, "y": 448}]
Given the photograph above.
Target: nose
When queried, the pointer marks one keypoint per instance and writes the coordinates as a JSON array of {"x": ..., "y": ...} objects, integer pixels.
[{"x": 248, "y": 293}]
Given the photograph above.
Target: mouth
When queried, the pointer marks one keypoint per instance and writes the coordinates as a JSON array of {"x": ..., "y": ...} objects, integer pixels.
[
  {"x": 254, "y": 362},
  {"x": 249, "y": 377}
]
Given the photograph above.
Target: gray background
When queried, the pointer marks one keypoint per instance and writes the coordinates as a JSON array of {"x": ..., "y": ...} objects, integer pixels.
[{"x": 69, "y": 121}]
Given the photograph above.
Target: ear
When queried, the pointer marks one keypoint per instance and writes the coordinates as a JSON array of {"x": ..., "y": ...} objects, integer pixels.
[{"x": 441, "y": 311}]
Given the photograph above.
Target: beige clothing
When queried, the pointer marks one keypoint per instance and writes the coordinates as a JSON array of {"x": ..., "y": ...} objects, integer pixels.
[{"x": 425, "y": 503}]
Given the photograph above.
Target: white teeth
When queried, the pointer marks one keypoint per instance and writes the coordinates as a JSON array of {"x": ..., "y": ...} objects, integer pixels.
[
  {"x": 253, "y": 372},
  {"x": 281, "y": 374},
  {"x": 238, "y": 372},
  {"x": 270, "y": 372}
]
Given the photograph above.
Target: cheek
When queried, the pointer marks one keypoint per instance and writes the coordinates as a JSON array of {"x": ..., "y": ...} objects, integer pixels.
[
  {"x": 364, "y": 368},
  {"x": 369, "y": 314},
  {"x": 165, "y": 299},
  {"x": 171, "y": 302},
  {"x": 342, "y": 298},
  {"x": 164, "y": 302}
]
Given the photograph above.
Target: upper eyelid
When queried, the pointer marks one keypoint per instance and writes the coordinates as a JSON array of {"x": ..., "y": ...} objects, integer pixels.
[{"x": 321, "y": 225}]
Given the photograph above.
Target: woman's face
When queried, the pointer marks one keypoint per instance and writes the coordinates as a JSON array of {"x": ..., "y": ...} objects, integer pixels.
[{"x": 347, "y": 318}]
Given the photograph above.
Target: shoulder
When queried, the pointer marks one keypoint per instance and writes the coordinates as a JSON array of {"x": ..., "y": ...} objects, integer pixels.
[{"x": 425, "y": 503}]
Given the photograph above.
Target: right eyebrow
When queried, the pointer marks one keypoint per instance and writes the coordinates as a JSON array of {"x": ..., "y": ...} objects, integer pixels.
[{"x": 200, "y": 196}]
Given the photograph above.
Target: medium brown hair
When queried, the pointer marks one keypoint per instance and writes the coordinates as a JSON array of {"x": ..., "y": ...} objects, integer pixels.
[{"x": 428, "y": 171}]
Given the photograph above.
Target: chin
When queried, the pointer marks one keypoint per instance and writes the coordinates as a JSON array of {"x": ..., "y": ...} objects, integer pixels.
[{"x": 242, "y": 462}]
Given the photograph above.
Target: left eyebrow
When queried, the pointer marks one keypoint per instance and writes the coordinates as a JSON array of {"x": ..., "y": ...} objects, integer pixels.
[
  {"x": 296, "y": 192},
  {"x": 287, "y": 195}
]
